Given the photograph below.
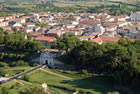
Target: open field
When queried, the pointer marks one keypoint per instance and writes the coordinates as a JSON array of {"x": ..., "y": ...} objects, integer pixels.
[
  {"x": 21, "y": 6},
  {"x": 82, "y": 4},
  {"x": 95, "y": 85},
  {"x": 62, "y": 82}
]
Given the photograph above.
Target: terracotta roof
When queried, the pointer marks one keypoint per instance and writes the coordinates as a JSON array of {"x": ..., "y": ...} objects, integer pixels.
[
  {"x": 19, "y": 27},
  {"x": 97, "y": 40},
  {"x": 45, "y": 38},
  {"x": 10, "y": 31},
  {"x": 110, "y": 39},
  {"x": 1, "y": 17}
]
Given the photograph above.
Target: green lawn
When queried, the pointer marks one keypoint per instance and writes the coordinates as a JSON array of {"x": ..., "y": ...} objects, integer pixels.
[
  {"x": 16, "y": 70},
  {"x": 95, "y": 85},
  {"x": 67, "y": 83}
]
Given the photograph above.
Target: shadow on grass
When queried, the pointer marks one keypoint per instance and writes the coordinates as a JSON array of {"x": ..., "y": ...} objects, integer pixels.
[{"x": 100, "y": 84}]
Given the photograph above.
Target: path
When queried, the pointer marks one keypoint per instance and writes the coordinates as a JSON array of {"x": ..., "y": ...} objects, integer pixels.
[
  {"x": 19, "y": 75},
  {"x": 55, "y": 73}
]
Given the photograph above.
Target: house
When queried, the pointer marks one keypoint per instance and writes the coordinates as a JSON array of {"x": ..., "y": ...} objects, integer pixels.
[
  {"x": 8, "y": 29},
  {"x": 135, "y": 16},
  {"x": 30, "y": 25},
  {"x": 28, "y": 30},
  {"x": 9, "y": 18},
  {"x": 122, "y": 23},
  {"x": 97, "y": 40},
  {"x": 14, "y": 24},
  {"x": 3, "y": 24},
  {"x": 90, "y": 22},
  {"x": 120, "y": 18},
  {"x": 86, "y": 37},
  {"x": 109, "y": 39},
  {"x": 36, "y": 28},
  {"x": 111, "y": 28},
  {"x": 99, "y": 28},
  {"x": 45, "y": 40},
  {"x": 53, "y": 32},
  {"x": 133, "y": 35},
  {"x": 19, "y": 27},
  {"x": 20, "y": 20},
  {"x": 1, "y": 19}
]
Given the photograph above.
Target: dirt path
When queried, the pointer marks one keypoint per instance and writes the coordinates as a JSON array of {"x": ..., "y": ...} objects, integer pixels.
[{"x": 55, "y": 74}]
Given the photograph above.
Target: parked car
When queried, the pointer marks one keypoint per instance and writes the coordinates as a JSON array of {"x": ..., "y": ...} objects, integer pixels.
[{"x": 3, "y": 81}]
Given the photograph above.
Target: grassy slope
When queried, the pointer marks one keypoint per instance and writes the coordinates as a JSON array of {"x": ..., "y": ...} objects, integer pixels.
[
  {"x": 73, "y": 81},
  {"x": 96, "y": 85}
]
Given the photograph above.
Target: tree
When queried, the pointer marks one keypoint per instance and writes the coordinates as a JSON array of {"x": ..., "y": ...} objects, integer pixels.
[
  {"x": 2, "y": 72},
  {"x": 68, "y": 43}
]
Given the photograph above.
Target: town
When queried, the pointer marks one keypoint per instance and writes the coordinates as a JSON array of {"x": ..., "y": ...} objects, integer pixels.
[
  {"x": 99, "y": 28},
  {"x": 69, "y": 47}
]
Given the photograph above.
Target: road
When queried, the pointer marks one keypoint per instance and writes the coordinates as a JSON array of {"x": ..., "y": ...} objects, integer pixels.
[{"x": 19, "y": 75}]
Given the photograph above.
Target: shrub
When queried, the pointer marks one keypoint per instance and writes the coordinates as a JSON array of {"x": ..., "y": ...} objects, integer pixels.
[
  {"x": 19, "y": 63},
  {"x": 26, "y": 77},
  {"x": 35, "y": 64},
  {"x": 2, "y": 72},
  {"x": 85, "y": 72},
  {"x": 3, "y": 64}
]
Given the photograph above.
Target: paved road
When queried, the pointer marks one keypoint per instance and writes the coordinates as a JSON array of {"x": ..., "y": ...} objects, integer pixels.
[{"x": 17, "y": 76}]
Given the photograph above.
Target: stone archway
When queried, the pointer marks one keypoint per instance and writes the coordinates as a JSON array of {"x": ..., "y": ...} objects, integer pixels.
[{"x": 46, "y": 62}]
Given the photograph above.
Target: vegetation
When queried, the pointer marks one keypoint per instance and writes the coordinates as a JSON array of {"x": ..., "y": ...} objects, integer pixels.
[
  {"x": 33, "y": 90},
  {"x": 41, "y": 25},
  {"x": 2, "y": 72},
  {"x": 116, "y": 8},
  {"x": 117, "y": 59},
  {"x": 100, "y": 84},
  {"x": 15, "y": 47}
]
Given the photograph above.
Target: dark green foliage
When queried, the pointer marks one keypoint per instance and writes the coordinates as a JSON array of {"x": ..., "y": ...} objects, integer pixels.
[
  {"x": 3, "y": 72},
  {"x": 67, "y": 43},
  {"x": 120, "y": 59},
  {"x": 18, "y": 43},
  {"x": 19, "y": 63},
  {"x": 4, "y": 90},
  {"x": 85, "y": 72},
  {"x": 26, "y": 77},
  {"x": 35, "y": 64},
  {"x": 3, "y": 64}
]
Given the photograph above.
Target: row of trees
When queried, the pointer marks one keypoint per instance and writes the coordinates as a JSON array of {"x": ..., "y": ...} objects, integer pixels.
[{"x": 121, "y": 60}]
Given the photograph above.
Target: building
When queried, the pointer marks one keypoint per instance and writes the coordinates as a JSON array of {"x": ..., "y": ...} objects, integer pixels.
[
  {"x": 45, "y": 40},
  {"x": 48, "y": 58},
  {"x": 135, "y": 16}
]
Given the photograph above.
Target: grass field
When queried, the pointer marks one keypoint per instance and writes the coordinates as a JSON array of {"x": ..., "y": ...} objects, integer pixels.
[
  {"x": 82, "y": 4},
  {"x": 62, "y": 82},
  {"x": 21, "y": 6},
  {"x": 95, "y": 85}
]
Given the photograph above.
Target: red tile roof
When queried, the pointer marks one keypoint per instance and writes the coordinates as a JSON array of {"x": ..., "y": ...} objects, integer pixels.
[
  {"x": 110, "y": 39},
  {"x": 45, "y": 38},
  {"x": 97, "y": 40}
]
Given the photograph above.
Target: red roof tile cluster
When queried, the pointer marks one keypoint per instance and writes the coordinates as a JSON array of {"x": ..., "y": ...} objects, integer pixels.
[{"x": 44, "y": 38}]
